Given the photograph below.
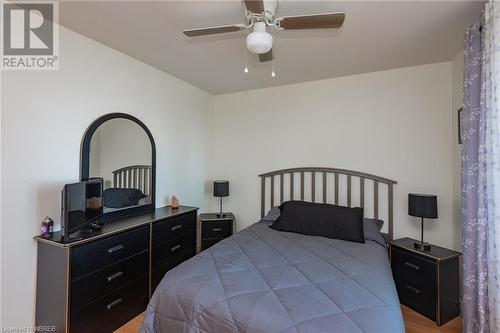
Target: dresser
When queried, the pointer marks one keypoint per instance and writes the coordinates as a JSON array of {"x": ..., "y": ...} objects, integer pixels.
[
  {"x": 103, "y": 280},
  {"x": 427, "y": 281}
]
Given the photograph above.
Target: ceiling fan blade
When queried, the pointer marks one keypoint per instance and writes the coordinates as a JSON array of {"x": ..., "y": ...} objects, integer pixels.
[
  {"x": 314, "y": 21},
  {"x": 268, "y": 56},
  {"x": 212, "y": 30},
  {"x": 254, "y": 6}
]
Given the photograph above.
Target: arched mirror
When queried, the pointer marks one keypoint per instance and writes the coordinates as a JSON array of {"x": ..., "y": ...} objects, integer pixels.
[{"x": 120, "y": 149}]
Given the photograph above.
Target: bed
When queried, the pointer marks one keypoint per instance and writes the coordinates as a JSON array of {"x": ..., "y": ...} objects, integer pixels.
[
  {"x": 131, "y": 187},
  {"x": 263, "y": 280}
]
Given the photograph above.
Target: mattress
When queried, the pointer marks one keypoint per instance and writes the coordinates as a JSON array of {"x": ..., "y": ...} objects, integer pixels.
[{"x": 262, "y": 280}]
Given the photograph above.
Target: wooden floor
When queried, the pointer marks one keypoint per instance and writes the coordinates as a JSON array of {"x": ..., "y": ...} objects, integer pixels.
[
  {"x": 414, "y": 323},
  {"x": 132, "y": 326}
]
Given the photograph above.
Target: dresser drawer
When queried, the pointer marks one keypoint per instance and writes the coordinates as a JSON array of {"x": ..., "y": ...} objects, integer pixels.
[
  {"x": 174, "y": 228},
  {"x": 169, "y": 251},
  {"x": 112, "y": 311},
  {"x": 101, "y": 253},
  {"x": 90, "y": 287},
  {"x": 408, "y": 268},
  {"x": 206, "y": 243},
  {"x": 420, "y": 300},
  {"x": 219, "y": 229},
  {"x": 159, "y": 272},
  {"x": 415, "y": 280}
]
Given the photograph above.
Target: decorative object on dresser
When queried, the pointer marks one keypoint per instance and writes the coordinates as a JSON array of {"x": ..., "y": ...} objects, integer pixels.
[
  {"x": 215, "y": 228},
  {"x": 47, "y": 227},
  {"x": 221, "y": 189},
  {"x": 423, "y": 206},
  {"x": 427, "y": 281},
  {"x": 98, "y": 283},
  {"x": 174, "y": 202}
]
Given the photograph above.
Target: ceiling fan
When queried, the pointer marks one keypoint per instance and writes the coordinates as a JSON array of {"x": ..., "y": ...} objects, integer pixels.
[{"x": 261, "y": 15}]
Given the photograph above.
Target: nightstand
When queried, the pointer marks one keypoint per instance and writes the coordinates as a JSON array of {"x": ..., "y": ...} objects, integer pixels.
[
  {"x": 427, "y": 281},
  {"x": 215, "y": 228}
]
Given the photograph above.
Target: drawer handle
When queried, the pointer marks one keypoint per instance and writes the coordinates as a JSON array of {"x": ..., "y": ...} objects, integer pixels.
[
  {"x": 412, "y": 288},
  {"x": 176, "y": 227},
  {"x": 114, "y": 276},
  {"x": 175, "y": 248},
  {"x": 217, "y": 229},
  {"x": 115, "y": 302},
  {"x": 116, "y": 248},
  {"x": 409, "y": 264}
]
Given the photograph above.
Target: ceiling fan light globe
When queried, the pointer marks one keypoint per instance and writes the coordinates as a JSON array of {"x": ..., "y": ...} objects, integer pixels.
[{"x": 259, "y": 42}]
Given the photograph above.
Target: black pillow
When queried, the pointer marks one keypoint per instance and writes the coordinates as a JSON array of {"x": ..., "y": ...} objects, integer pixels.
[
  {"x": 325, "y": 220},
  {"x": 122, "y": 197}
]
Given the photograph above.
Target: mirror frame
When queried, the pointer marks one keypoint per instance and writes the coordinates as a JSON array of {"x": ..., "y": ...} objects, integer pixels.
[{"x": 85, "y": 155}]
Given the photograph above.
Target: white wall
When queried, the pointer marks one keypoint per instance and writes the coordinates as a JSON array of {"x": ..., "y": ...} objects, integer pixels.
[
  {"x": 44, "y": 115},
  {"x": 457, "y": 102},
  {"x": 393, "y": 123}
]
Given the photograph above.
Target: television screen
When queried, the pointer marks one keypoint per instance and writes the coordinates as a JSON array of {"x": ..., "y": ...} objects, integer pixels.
[
  {"x": 93, "y": 199},
  {"x": 82, "y": 204}
]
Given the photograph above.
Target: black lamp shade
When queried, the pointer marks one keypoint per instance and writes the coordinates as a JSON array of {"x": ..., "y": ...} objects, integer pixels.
[
  {"x": 221, "y": 188},
  {"x": 422, "y": 205}
]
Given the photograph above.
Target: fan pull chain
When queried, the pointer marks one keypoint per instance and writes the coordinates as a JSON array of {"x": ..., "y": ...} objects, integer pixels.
[
  {"x": 246, "y": 61},
  {"x": 273, "y": 74}
]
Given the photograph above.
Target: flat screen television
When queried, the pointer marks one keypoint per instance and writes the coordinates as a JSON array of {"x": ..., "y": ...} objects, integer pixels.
[{"x": 82, "y": 205}]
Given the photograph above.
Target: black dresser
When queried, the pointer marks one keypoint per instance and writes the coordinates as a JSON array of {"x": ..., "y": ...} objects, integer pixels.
[
  {"x": 100, "y": 282},
  {"x": 427, "y": 281}
]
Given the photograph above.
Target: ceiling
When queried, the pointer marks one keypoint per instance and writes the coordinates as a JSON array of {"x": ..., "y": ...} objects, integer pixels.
[{"x": 377, "y": 35}]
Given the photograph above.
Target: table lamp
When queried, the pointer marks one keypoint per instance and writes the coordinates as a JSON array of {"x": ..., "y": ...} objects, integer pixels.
[
  {"x": 221, "y": 189},
  {"x": 423, "y": 206}
]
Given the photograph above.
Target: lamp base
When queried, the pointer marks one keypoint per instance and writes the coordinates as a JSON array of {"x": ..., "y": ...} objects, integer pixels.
[
  {"x": 422, "y": 246},
  {"x": 221, "y": 214}
]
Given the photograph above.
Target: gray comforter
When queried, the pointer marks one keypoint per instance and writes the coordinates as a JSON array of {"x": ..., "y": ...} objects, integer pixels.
[{"x": 262, "y": 280}]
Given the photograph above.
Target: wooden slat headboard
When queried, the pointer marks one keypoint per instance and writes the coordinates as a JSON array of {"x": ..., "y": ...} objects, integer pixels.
[
  {"x": 319, "y": 186},
  {"x": 134, "y": 176}
]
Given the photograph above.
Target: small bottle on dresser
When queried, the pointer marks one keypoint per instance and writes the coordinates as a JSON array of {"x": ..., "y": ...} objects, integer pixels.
[{"x": 47, "y": 227}]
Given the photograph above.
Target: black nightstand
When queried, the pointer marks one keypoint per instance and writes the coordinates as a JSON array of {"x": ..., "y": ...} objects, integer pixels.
[
  {"x": 427, "y": 281},
  {"x": 215, "y": 228}
]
